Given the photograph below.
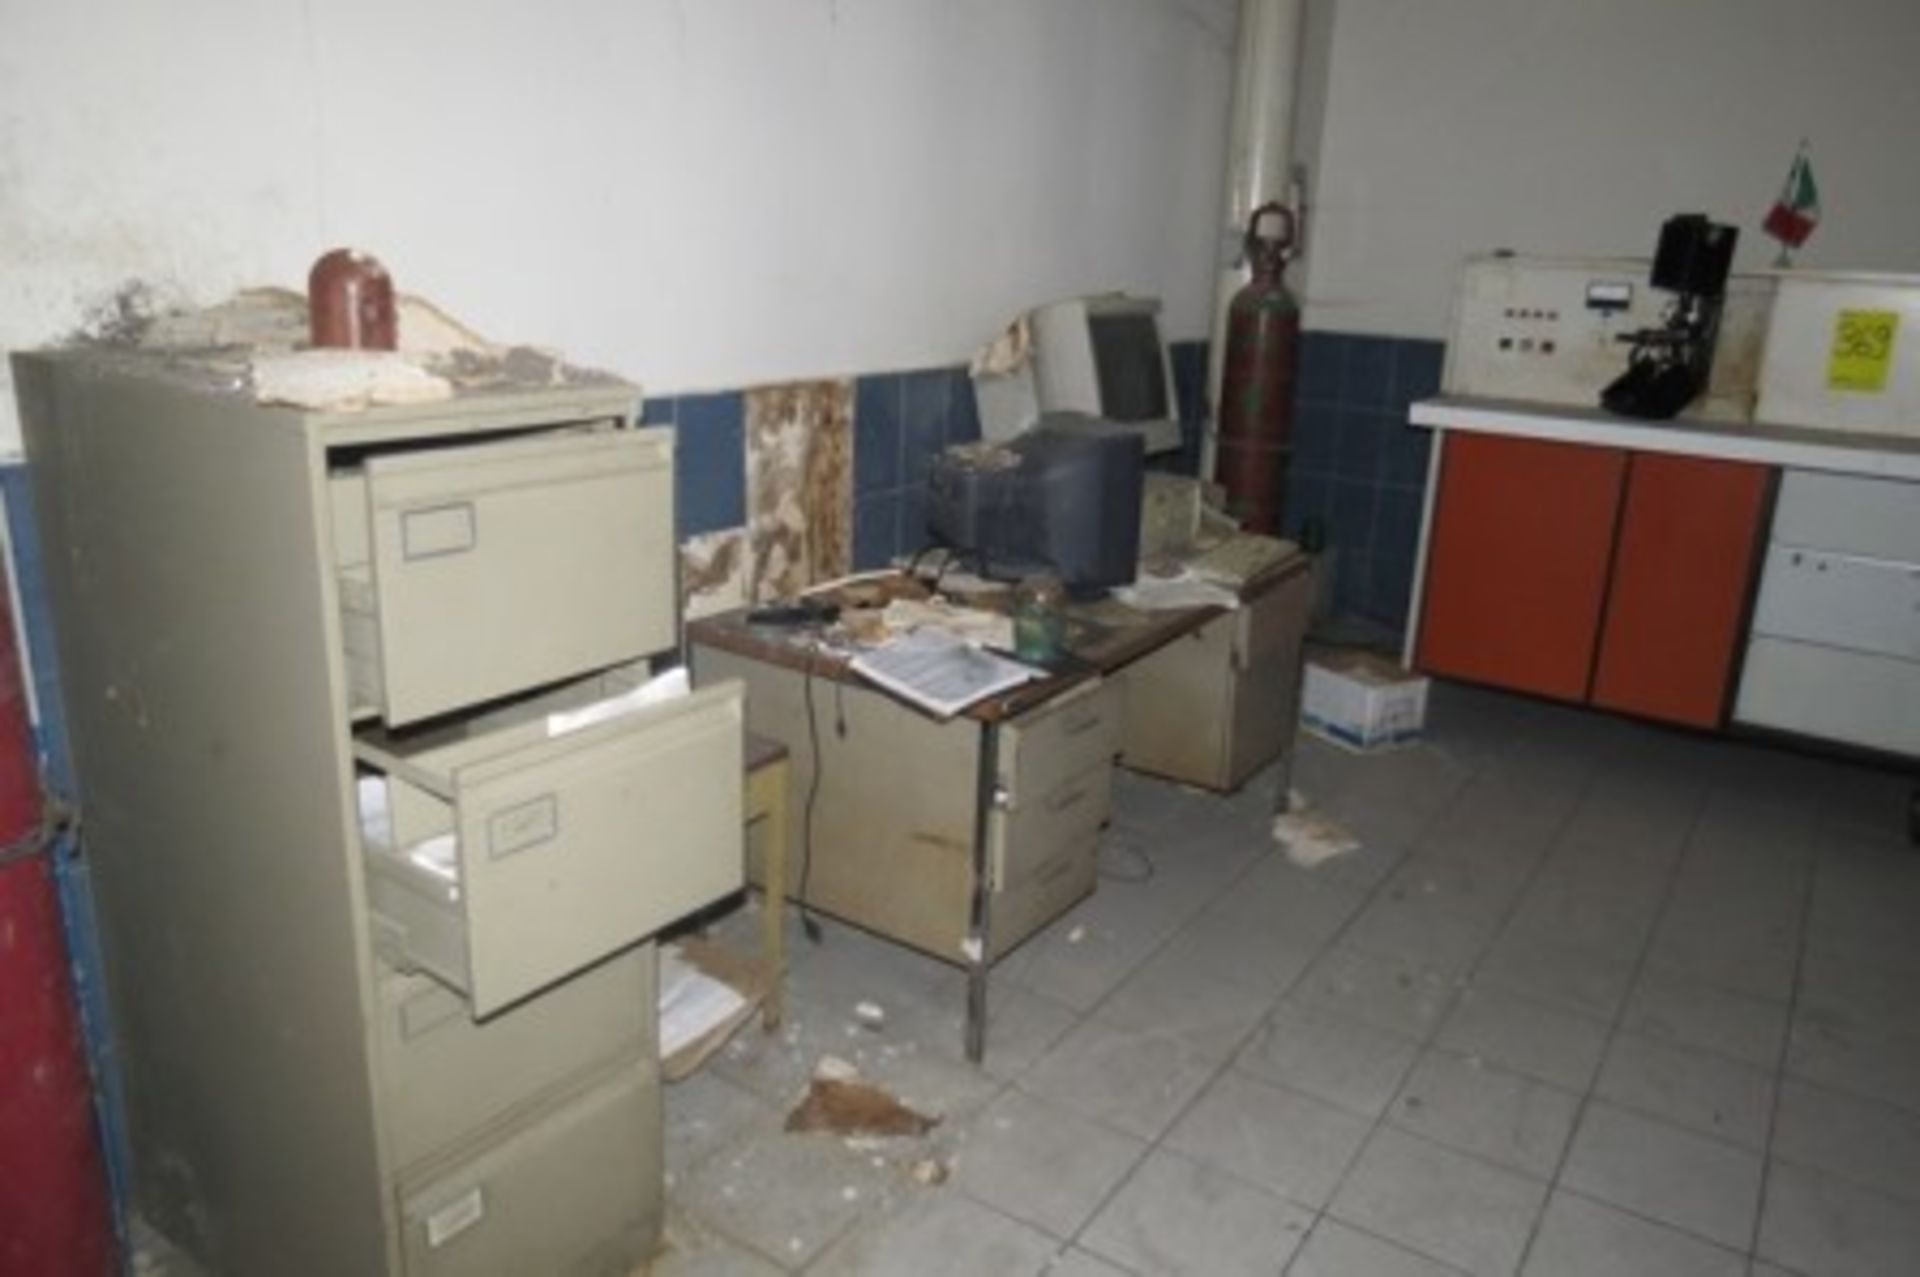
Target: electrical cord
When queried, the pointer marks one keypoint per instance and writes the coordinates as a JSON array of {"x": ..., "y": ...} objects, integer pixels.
[
  {"x": 1124, "y": 846},
  {"x": 808, "y": 923}
]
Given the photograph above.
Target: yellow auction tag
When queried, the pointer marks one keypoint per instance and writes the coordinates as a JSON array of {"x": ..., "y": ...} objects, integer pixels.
[{"x": 1862, "y": 350}]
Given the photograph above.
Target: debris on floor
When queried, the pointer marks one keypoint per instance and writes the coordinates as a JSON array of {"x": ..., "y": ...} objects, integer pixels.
[
  {"x": 871, "y": 1014},
  {"x": 1309, "y": 838},
  {"x": 840, "y": 1101}
]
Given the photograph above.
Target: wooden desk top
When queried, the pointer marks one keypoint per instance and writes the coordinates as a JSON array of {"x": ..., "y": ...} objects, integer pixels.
[{"x": 1101, "y": 638}]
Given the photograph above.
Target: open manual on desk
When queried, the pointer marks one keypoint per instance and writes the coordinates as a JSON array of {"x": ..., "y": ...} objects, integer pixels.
[{"x": 939, "y": 672}]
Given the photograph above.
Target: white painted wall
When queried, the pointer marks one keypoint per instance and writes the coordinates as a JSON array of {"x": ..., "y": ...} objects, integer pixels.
[
  {"x": 696, "y": 193},
  {"x": 1450, "y": 127}
]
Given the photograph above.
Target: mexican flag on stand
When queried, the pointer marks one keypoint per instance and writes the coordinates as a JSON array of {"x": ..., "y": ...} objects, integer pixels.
[{"x": 1797, "y": 209}]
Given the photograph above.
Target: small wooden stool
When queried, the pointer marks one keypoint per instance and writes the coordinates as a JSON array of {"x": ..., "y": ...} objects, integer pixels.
[{"x": 768, "y": 769}]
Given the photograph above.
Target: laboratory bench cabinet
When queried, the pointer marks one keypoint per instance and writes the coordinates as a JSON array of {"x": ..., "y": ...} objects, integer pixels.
[{"x": 376, "y": 898}]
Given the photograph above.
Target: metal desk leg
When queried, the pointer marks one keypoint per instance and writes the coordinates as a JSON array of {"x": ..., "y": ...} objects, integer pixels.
[{"x": 986, "y": 798}]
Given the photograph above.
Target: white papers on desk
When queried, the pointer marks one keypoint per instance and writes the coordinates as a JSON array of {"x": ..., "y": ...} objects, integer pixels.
[
  {"x": 1173, "y": 593},
  {"x": 663, "y": 687},
  {"x": 975, "y": 625},
  {"x": 940, "y": 673}
]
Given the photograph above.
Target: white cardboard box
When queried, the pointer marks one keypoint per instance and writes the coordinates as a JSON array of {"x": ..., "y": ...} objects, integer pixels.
[{"x": 1362, "y": 701}]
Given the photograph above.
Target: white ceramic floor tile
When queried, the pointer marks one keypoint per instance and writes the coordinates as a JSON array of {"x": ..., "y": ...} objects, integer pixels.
[
  {"x": 1420, "y": 930},
  {"x": 1260, "y": 959},
  {"x": 942, "y": 1234},
  {"x": 1591, "y": 983},
  {"x": 1022, "y": 1026},
  {"x": 1388, "y": 993},
  {"x": 1134, "y": 1080},
  {"x": 1671, "y": 1007},
  {"x": 1579, "y": 1237},
  {"x": 1616, "y": 924},
  {"x": 1704, "y": 1092},
  {"x": 1079, "y": 1263},
  {"x": 787, "y": 1196},
  {"x": 1821, "y": 1224},
  {"x": 1344, "y": 1062},
  {"x": 689, "y": 1250},
  {"x": 1304, "y": 908},
  {"x": 1170, "y": 995},
  {"x": 1694, "y": 1182},
  {"x": 1849, "y": 1057},
  {"x": 1286, "y": 1141},
  {"x": 1041, "y": 1163},
  {"x": 1540, "y": 1040},
  {"x": 705, "y": 1113},
  {"x": 1336, "y": 1250},
  {"x": 1862, "y": 1140},
  {"x": 1476, "y": 1108},
  {"x": 1456, "y": 1208},
  {"x": 1176, "y": 1216}
]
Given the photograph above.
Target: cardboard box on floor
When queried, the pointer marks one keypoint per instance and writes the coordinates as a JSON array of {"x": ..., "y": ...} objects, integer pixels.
[{"x": 1360, "y": 700}]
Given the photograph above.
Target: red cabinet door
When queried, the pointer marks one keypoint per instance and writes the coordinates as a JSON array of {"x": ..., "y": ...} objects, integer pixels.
[
  {"x": 1682, "y": 574},
  {"x": 1517, "y": 558}
]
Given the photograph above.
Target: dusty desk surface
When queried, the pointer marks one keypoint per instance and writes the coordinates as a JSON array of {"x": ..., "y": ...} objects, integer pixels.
[{"x": 1101, "y": 637}]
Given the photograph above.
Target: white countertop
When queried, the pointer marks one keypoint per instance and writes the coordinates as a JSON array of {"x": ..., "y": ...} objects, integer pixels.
[{"x": 1792, "y": 446}]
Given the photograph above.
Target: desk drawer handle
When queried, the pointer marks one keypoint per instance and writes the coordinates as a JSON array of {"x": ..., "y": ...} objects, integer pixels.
[
  {"x": 1060, "y": 802},
  {"x": 1084, "y": 726}
]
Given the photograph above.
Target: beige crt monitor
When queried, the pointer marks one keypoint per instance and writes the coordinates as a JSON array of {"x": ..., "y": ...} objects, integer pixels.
[{"x": 1103, "y": 356}]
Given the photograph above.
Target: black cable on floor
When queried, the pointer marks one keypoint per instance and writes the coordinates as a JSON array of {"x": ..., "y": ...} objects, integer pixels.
[{"x": 808, "y": 923}]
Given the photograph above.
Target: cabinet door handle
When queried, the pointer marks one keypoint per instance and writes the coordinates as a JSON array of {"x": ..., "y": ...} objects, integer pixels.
[{"x": 1060, "y": 802}]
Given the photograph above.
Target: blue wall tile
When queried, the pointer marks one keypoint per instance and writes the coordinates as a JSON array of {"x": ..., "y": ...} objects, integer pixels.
[
  {"x": 877, "y": 443},
  {"x": 1356, "y": 453},
  {"x": 1316, "y": 437},
  {"x": 1389, "y": 587},
  {"x": 876, "y": 530},
  {"x": 963, "y": 407},
  {"x": 913, "y": 519},
  {"x": 1366, "y": 376},
  {"x": 1317, "y": 377},
  {"x": 924, "y": 397},
  {"x": 1350, "y": 508},
  {"x": 1396, "y": 524},
  {"x": 1353, "y": 582},
  {"x": 1189, "y": 360},
  {"x": 1407, "y": 449},
  {"x": 712, "y": 462},
  {"x": 1416, "y": 371},
  {"x": 657, "y": 412}
]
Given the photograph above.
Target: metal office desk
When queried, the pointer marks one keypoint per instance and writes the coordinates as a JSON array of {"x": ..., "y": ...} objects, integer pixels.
[{"x": 963, "y": 837}]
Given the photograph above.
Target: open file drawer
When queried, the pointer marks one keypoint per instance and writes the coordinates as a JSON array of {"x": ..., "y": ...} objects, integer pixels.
[
  {"x": 471, "y": 573},
  {"x": 508, "y": 858}
]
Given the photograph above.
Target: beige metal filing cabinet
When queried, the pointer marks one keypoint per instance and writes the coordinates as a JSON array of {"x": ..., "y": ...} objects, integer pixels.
[{"x": 414, "y": 1039}]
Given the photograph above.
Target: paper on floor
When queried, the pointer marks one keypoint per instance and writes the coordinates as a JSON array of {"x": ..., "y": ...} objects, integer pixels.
[
  {"x": 692, "y": 1003},
  {"x": 1309, "y": 838}
]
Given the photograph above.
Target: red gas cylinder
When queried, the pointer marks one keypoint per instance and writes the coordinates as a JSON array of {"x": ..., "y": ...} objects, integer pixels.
[
  {"x": 53, "y": 1200},
  {"x": 350, "y": 302},
  {"x": 1256, "y": 385}
]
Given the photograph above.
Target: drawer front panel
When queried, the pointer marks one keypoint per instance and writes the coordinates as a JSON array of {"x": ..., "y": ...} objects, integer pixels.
[
  {"x": 444, "y": 1076},
  {"x": 1873, "y": 518},
  {"x": 1022, "y": 908},
  {"x": 571, "y": 1190},
  {"x": 1852, "y": 697},
  {"x": 501, "y": 567},
  {"x": 1026, "y": 838},
  {"x": 1863, "y": 605},
  {"x": 568, "y": 854},
  {"x": 1060, "y": 739}
]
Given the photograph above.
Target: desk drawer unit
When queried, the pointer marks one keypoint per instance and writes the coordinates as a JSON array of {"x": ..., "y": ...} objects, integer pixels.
[
  {"x": 444, "y": 1076},
  {"x": 1047, "y": 746},
  {"x": 510, "y": 857},
  {"x": 1028, "y": 835},
  {"x": 471, "y": 573},
  {"x": 572, "y": 1190},
  {"x": 1835, "y": 649}
]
